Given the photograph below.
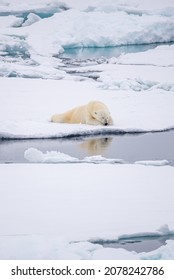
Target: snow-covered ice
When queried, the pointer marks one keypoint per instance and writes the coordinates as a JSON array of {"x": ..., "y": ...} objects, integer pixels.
[
  {"x": 40, "y": 99},
  {"x": 36, "y": 156},
  {"x": 40, "y": 6},
  {"x": 47, "y": 27},
  {"x": 160, "y": 56},
  {"x": 45, "y": 205},
  {"x": 10, "y": 21},
  {"x": 153, "y": 162},
  {"x": 149, "y": 70},
  {"x": 56, "y": 211},
  {"x": 64, "y": 34}
]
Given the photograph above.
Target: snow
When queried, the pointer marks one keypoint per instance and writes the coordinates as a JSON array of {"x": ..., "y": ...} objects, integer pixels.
[
  {"x": 133, "y": 6},
  {"x": 149, "y": 70},
  {"x": 51, "y": 247},
  {"x": 150, "y": 57},
  {"x": 137, "y": 78},
  {"x": 136, "y": 7},
  {"x": 57, "y": 210},
  {"x": 47, "y": 28},
  {"x": 45, "y": 206},
  {"x": 10, "y": 21},
  {"x": 39, "y": 6},
  {"x": 39, "y": 100},
  {"x": 66, "y": 30},
  {"x": 36, "y": 156},
  {"x": 153, "y": 162},
  {"x": 106, "y": 193},
  {"x": 163, "y": 253},
  {"x": 31, "y": 18}
]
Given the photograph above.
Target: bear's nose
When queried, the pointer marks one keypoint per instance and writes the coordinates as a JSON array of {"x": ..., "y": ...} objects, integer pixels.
[{"x": 106, "y": 123}]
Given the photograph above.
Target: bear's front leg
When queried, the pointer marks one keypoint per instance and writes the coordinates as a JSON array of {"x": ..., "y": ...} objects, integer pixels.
[
  {"x": 92, "y": 121},
  {"x": 110, "y": 121}
]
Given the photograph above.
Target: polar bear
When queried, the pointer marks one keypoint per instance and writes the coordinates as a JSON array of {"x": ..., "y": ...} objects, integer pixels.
[{"x": 93, "y": 113}]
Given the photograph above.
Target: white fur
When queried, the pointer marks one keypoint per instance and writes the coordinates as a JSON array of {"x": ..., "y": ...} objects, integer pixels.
[{"x": 94, "y": 113}]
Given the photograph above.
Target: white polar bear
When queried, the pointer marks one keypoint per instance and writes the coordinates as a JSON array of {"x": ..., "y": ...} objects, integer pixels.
[{"x": 94, "y": 113}]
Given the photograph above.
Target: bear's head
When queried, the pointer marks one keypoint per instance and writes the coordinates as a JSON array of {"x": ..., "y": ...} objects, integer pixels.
[{"x": 102, "y": 116}]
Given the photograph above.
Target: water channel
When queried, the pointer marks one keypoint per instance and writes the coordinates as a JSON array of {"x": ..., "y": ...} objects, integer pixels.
[{"x": 129, "y": 147}]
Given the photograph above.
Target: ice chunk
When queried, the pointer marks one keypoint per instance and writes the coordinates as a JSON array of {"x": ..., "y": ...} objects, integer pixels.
[
  {"x": 31, "y": 18},
  {"x": 100, "y": 159},
  {"x": 34, "y": 155},
  {"x": 10, "y": 21},
  {"x": 153, "y": 162},
  {"x": 66, "y": 30}
]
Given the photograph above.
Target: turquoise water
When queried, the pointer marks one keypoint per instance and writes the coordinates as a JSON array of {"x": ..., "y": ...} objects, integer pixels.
[{"x": 108, "y": 52}]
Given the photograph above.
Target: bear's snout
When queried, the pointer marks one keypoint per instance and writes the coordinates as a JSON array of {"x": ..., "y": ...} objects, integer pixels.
[{"x": 106, "y": 123}]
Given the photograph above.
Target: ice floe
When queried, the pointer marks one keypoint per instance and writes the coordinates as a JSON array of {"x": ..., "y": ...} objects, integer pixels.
[
  {"x": 153, "y": 162},
  {"x": 39, "y": 99},
  {"x": 48, "y": 214},
  {"x": 36, "y": 156},
  {"x": 46, "y": 199}
]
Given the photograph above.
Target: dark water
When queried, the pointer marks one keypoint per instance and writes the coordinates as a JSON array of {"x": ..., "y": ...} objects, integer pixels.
[
  {"x": 129, "y": 147},
  {"x": 138, "y": 244}
]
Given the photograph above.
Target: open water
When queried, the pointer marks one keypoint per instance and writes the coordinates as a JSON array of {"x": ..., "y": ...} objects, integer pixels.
[{"x": 129, "y": 147}]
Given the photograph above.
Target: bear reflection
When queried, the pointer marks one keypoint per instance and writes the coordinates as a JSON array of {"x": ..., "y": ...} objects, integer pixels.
[{"x": 96, "y": 146}]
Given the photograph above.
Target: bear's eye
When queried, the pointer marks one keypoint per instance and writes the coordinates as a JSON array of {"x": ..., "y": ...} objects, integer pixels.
[{"x": 95, "y": 113}]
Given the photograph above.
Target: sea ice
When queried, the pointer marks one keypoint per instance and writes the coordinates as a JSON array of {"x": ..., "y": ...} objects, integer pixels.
[{"x": 48, "y": 214}]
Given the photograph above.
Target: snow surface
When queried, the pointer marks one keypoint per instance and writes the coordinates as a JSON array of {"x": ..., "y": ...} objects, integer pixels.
[
  {"x": 64, "y": 23},
  {"x": 56, "y": 210},
  {"x": 44, "y": 214},
  {"x": 31, "y": 18},
  {"x": 67, "y": 30},
  {"x": 153, "y": 162},
  {"x": 19, "y": 7},
  {"x": 10, "y": 21},
  {"x": 160, "y": 56},
  {"x": 40, "y": 99}
]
